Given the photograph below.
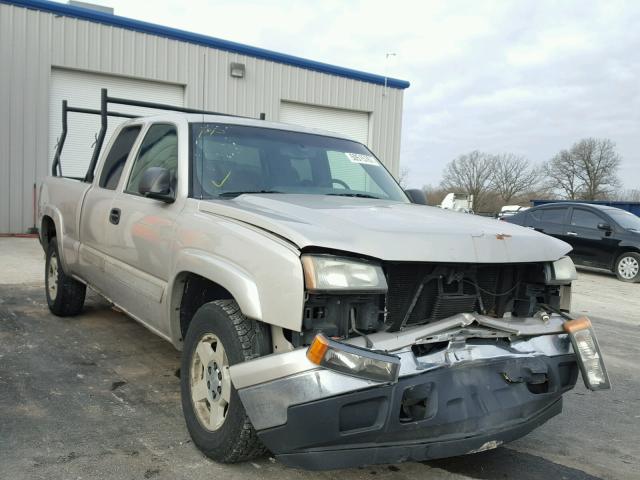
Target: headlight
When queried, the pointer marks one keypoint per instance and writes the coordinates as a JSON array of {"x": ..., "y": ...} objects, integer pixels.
[
  {"x": 353, "y": 361},
  {"x": 560, "y": 272},
  {"x": 586, "y": 348},
  {"x": 326, "y": 272}
]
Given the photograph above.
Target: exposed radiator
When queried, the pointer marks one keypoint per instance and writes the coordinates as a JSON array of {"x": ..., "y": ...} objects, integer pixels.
[{"x": 440, "y": 298}]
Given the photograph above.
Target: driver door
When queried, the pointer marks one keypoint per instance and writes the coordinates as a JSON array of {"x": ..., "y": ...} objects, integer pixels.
[
  {"x": 143, "y": 240},
  {"x": 592, "y": 246}
]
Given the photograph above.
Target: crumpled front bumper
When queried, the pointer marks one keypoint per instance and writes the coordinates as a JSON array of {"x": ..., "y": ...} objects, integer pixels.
[
  {"x": 467, "y": 398},
  {"x": 442, "y": 413}
]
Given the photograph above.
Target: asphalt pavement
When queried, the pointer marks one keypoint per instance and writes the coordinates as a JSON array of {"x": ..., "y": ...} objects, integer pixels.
[{"x": 97, "y": 396}]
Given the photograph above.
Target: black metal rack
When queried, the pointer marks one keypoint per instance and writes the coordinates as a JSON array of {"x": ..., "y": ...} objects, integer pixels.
[{"x": 104, "y": 113}]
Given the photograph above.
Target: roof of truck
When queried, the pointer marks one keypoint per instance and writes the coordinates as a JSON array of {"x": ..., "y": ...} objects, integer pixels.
[{"x": 234, "y": 120}]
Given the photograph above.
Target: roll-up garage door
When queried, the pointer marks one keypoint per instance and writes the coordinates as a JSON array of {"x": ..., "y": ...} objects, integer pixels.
[
  {"x": 351, "y": 123},
  {"x": 82, "y": 89}
]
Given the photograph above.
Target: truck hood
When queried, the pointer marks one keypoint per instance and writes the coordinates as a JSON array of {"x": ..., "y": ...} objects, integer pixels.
[{"x": 387, "y": 230}]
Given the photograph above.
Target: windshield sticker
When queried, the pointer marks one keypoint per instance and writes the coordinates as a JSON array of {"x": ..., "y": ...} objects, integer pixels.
[{"x": 360, "y": 158}]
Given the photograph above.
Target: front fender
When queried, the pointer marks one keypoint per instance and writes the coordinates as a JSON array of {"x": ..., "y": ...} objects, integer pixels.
[{"x": 257, "y": 298}]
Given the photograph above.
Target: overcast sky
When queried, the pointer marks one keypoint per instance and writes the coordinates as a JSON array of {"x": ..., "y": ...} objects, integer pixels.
[{"x": 498, "y": 76}]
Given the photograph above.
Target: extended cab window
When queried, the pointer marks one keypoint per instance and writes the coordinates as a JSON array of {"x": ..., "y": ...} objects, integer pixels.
[
  {"x": 117, "y": 157},
  {"x": 158, "y": 149},
  {"x": 585, "y": 219}
]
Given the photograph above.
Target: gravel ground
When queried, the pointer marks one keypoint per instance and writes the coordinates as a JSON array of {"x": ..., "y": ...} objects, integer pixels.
[{"x": 96, "y": 396}]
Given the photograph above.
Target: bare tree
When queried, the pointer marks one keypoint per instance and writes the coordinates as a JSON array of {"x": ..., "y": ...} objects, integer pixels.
[
  {"x": 588, "y": 171},
  {"x": 470, "y": 173},
  {"x": 560, "y": 173},
  {"x": 631, "y": 195},
  {"x": 435, "y": 195},
  {"x": 598, "y": 163},
  {"x": 512, "y": 176},
  {"x": 403, "y": 176}
]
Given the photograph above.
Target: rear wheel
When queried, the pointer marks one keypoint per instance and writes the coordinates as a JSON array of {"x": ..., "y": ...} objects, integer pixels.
[
  {"x": 65, "y": 295},
  {"x": 219, "y": 336},
  {"x": 628, "y": 267}
]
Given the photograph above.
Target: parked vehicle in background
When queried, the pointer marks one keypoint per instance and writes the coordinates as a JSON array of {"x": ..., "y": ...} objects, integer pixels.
[
  {"x": 510, "y": 210},
  {"x": 321, "y": 315},
  {"x": 633, "y": 207},
  {"x": 458, "y": 202},
  {"x": 601, "y": 236}
]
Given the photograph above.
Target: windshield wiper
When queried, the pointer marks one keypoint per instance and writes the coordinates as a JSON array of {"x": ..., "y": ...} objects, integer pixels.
[
  {"x": 235, "y": 194},
  {"x": 359, "y": 195}
]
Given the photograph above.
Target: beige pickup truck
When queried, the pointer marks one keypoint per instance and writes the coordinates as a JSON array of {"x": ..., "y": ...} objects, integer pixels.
[{"x": 323, "y": 313}]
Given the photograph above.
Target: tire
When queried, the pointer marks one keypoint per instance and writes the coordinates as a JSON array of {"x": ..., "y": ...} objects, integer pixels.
[
  {"x": 215, "y": 324},
  {"x": 65, "y": 295},
  {"x": 627, "y": 267}
]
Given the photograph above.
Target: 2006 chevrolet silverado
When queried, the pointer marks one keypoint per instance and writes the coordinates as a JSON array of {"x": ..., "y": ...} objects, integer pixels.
[{"x": 321, "y": 315}]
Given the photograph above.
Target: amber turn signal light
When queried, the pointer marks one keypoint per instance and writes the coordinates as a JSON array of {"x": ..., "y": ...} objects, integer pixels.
[
  {"x": 352, "y": 360},
  {"x": 318, "y": 349},
  {"x": 585, "y": 346}
]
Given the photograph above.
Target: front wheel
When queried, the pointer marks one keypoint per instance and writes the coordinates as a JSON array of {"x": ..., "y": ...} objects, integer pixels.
[
  {"x": 65, "y": 295},
  {"x": 219, "y": 336},
  {"x": 628, "y": 267}
]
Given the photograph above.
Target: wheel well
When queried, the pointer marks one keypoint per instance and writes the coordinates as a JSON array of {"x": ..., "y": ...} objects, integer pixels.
[
  {"x": 47, "y": 231},
  {"x": 196, "y": 292},
  {"x": 622, "y": 251}
]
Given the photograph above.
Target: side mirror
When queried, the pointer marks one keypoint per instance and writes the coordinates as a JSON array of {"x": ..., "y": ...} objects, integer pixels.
[
  {"x": 156, "y": 183},
  {"x": 416, "y": 196},
  {"x": 604, "y": 226}
]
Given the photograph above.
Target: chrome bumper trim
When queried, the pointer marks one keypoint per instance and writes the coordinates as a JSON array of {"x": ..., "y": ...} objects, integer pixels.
[{"x": 267, "y": 402}]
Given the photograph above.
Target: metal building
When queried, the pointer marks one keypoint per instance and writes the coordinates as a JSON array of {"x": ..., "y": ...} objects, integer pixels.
[{"x": 53, "y": 51}]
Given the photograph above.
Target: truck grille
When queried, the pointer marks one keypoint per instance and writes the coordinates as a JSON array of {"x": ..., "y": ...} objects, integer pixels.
[{"x": 448, "y": 290}]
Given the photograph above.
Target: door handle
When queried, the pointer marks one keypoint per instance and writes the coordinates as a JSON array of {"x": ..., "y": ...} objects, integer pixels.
[
  {"x": 114, "y": 216},
  {"x": 572, "y": 234}
]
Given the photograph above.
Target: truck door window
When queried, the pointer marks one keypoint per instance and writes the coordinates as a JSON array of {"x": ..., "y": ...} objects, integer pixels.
[
  {"x": 117, "y": 157},
  {"x": 158, "y": 149}
]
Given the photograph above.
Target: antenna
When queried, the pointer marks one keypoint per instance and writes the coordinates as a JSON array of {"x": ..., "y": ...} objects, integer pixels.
[{"x": 386, "y": 69}]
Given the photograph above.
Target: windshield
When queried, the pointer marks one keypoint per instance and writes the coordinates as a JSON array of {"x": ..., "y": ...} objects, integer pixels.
[
  {"x": 232, "y": 159},
  {"x": 626, "y": 220}
]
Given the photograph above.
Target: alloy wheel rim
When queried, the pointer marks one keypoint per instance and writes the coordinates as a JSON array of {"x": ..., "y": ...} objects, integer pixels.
[
  {"x": 210, "y": 382},
  {"x": 628, "y": 268},
  {"x": 52, "y": 276}
]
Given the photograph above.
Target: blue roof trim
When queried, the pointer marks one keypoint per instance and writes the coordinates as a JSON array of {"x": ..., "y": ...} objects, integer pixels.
[{"x": 176, "y": 34}]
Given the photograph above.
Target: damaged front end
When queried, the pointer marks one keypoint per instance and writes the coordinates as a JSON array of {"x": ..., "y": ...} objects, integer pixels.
[{"x": 418, "y": 361}]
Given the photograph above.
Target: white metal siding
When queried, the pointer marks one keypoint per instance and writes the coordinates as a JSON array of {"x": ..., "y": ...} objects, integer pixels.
[
  {"x": 82, "y": 89},
  {"x": 33, "y": 42},
  {"x": 351, "y": 123}
]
